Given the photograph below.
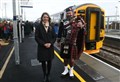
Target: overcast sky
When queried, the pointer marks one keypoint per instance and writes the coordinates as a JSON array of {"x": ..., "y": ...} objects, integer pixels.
[{"x": 54, "y": 6}]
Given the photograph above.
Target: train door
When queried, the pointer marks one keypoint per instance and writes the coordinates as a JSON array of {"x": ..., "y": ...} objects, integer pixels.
[{"x": 93, "y": 20}]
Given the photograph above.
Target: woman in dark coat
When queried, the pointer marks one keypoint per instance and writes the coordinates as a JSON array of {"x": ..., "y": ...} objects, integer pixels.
[{"x": 45, "y": 37}]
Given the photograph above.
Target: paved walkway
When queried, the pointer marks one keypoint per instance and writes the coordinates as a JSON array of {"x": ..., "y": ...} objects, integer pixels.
[{"x": 30, "y": 69}]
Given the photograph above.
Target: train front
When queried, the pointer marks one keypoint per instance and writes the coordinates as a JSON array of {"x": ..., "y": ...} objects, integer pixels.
[{"x": 94, "y": 17}]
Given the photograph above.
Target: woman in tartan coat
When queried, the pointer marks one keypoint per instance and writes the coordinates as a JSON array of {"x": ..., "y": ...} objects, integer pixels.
[{"x": 73, "y": 40}]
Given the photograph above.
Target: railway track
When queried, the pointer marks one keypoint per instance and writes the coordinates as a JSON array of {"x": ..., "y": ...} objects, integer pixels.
[
  {"x": 110, "y": 55},
  {"x": 111, "y": 49}
]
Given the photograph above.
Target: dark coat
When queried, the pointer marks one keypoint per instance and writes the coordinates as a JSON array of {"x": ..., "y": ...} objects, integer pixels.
[{"x": 42, "y": 37}]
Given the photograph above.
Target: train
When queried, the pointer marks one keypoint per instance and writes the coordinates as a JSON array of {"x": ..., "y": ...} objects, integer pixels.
[{"x": 94, "y": 16}]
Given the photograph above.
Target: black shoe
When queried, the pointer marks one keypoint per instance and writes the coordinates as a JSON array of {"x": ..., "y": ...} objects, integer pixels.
[
  {"x": 48, "y": 78},
  {"x": 45, "y": 79}
]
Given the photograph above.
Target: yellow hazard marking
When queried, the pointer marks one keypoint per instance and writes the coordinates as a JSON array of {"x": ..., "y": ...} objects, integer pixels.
[
  {"x": 75, "y": 73},
  {"x": 6, "y": 63}
]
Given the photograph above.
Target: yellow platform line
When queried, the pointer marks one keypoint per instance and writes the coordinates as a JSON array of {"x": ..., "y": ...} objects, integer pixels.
[
  {"x": 75, "y": 73},
  {"x": 6, "y": 63}
]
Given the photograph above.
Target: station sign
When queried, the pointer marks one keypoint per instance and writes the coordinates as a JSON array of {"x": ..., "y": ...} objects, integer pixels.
[{"x": 26, "y": 4}]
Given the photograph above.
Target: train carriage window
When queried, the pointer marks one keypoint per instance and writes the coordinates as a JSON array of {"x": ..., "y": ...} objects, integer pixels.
[{"x": 102, "y": 22}]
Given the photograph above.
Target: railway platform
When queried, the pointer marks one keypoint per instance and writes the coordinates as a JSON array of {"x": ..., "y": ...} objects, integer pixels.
[
  {"x": 30, "y": 69},
  {"x": 5, "y": 49},
  {"x": 115, "y": 34},
  {"x": 112, "y": 38},
  {"x": 87, "y": 69}
]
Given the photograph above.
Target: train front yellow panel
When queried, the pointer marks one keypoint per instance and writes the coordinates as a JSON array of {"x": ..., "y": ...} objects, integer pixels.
[{"x": 92, "y": 26}]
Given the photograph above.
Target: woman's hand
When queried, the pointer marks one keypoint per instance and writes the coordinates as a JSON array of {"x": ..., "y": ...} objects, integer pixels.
[{"x": 47, "y": 45}]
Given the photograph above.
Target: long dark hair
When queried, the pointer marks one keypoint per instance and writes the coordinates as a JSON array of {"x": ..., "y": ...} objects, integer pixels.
[{"x": 45, "y": 13}]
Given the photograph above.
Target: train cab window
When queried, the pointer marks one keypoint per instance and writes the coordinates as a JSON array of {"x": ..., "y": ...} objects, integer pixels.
[
  {"x": 81, "y": 11},
  {"x": 102, "y": 22}
]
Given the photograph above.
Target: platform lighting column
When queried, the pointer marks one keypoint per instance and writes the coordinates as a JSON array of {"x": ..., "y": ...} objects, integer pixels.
[
  {"x": 15, "y": 33},
  {"x": 107, "y": 24},
  {"x": 22, "y": 23},
  {"x": 20, "y": 19},
  {"x": 119, "y": 16},
  {"x": 116, "y": 17},
  {"x": 5, "y": 11}
]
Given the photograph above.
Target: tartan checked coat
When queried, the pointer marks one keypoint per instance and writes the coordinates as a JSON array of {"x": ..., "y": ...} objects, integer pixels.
[{"x": 76, "y": 38}]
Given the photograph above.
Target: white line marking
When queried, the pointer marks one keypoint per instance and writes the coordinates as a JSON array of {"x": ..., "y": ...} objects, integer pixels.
[
  {"x": 103, "y": 62},
  {"x": 6, "y": 63}
]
